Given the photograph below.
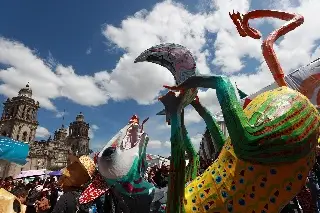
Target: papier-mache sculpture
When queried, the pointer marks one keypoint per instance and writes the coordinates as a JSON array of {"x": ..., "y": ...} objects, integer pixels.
[
  {"x": 271, "y": 149},
  {"x": 122, "y": 161},
  {"x": 121, "y": 165}
]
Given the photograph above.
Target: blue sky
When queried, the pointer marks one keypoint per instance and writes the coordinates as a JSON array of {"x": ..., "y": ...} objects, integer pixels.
[{"x": 76, "y": 48}]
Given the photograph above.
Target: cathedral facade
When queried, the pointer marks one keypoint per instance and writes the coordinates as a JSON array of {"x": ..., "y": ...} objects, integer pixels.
[
  {"x": 19, "y": 121},
  {"x": 207, "y": 150}
]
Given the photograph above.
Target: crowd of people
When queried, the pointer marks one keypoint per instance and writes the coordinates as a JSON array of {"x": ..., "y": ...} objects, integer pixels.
[
  {"x": 42, "y": 195},
  {"x": 38, "y": 195},
  {"x": 158, "y": 175}
]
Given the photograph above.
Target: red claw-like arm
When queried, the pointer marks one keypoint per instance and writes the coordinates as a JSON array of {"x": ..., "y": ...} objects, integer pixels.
[
  {"x": 143, "y": 122},
  {"x": 242, "y": 24},
  {"x": 171, "y": 87}
]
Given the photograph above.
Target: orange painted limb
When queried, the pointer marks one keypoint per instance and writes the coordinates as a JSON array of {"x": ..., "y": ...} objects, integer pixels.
[{"x": 242, "y": 24}]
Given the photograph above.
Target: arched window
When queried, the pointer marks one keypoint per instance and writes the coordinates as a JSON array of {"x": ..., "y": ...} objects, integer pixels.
[
  {"x": 24, "y": 136},
  {"x": 4, "y": 133}
]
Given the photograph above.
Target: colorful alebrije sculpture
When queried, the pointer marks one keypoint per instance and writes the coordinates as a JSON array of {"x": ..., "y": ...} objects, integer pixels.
[
  {"x": 122, "y": 162},
  {"x": 121, "y": 166},
  {"x": 265, "y": 161}
]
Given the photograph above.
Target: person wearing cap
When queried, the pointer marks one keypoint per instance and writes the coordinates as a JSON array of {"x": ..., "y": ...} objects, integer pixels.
[{"x": 73, "y": 178}]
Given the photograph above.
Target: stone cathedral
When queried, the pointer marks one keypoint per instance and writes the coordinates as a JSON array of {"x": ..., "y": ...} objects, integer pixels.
[{"x": 19, "y": 121}]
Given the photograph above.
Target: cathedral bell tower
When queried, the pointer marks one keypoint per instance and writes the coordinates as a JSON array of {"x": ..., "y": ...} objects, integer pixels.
[
  {"x": 60, "y": 134},
  {"x": 78, "y": 138},
  {"x": 19, "y": 117}
]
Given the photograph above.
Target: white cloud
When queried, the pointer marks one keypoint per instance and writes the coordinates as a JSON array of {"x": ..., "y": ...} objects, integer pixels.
[
  {"x": 94, "y": 127},
  {"x": 166, "y": 22},
  {"x": 158, "y": 147},
  {"x": 191, "y": 116},
  {"x": 90, "y": 95},
  {"x": 88, "y": 51},
  {"x": 129, "y": 80},
  {"x": 196, "y": 140},
  {"x": 42, "y": 132},
  {"x": 163, "y": 148},
  {"x": 61, "y": 114},
  {"x": 164, "y": 126},
  {"x": 92, "y": 130},
  {"x": 156, "y": 144},
  {"x": 47, "y": 79},
  {"x": 51, "y": 61},
  {"x": 51, "y": 80}
]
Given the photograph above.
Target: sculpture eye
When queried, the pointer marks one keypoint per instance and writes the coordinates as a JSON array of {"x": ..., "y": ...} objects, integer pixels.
[
  {"x": 16, "y": 206},
  {"x": 108, "y": 152}
]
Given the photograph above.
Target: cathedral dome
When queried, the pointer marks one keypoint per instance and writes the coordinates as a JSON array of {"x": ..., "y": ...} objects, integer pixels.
[
  {"x": 80, "y": 117},
  {"x": 26, "y": 91}
]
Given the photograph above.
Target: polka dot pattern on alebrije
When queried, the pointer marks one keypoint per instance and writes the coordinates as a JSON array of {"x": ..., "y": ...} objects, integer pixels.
[
  {"x": 273, "y": 171},
  {"x": 245, "y": 181},
  {"x": 229, "y": 208},
  {"x": 242, "y": 202},
  {"x": 250, "y": 168},
  {"x": 218, "y": 179}
]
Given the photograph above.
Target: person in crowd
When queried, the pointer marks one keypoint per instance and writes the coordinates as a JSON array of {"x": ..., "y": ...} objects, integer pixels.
[
  {"x": 74, "y": 177},
  {"x": 8, "y": 184},
  {"x": 305, "y": 200},
  {"x": 21, "y": 193},
  {"x": 43, "y": 205},
  {"x": 151, "y": 177},
  {"x": 33, "y": 196},
  {"x": 54, "y": 194}
]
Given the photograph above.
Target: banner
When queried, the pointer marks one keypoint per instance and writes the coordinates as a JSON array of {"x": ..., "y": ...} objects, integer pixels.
[
  {"x": 306, "y": 80},
  {"x": 13, "y": 151}
]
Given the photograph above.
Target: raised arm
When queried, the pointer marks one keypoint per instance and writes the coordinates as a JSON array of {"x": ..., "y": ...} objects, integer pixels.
[
  {"x": 215, "y": 132},
  {"x": 242, "y": 24}
]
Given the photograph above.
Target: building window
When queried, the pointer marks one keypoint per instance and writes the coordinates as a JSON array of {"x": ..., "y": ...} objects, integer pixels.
[
  {"x": 4, "y": 133},
  {"x": 18, "y": 137},
  {"x": 24, "y": 136}
]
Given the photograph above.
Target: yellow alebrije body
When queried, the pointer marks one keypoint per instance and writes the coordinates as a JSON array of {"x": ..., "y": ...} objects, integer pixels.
[{"x": 234, "y": 185}]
